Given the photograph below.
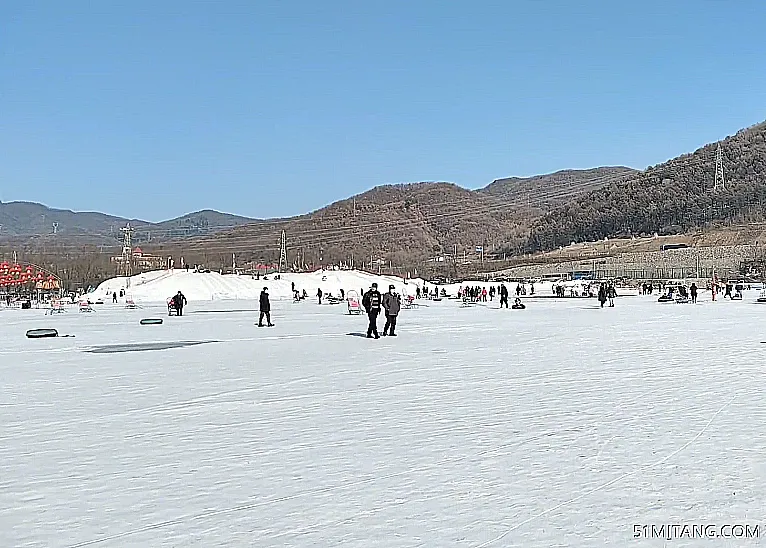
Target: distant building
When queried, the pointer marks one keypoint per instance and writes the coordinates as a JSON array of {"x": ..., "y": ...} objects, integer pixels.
[{"x": 142, "y": 261}]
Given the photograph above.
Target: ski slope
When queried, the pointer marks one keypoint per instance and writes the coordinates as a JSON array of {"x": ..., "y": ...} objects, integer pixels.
[{"x": 560, "y": 425}]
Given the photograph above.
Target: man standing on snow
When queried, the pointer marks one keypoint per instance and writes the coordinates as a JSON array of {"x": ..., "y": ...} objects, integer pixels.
[
  {"x": 179, "y": 301},
  {"x": 265, "y": 308},
  {"x": 319, "y": 295},
  {"x": 392, "y": 303},
  {"x": 611, "y": 293},
  {"x": 371, "y": 303},
  {"x": 503, "y": 296}
]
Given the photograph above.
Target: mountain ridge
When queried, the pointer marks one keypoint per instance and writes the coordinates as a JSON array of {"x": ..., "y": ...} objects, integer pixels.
[
  {"x": 24, "y": 219},
  {"x": 411, "y": 223},
  {"x": 32, "y": 219}
]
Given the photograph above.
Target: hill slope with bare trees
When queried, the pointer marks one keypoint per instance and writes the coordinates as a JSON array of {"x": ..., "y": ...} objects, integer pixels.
[{"x": 672, "y": 197}]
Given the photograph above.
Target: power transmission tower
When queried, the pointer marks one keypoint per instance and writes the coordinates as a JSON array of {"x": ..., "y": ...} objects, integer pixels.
[
  {"x": 283, "y": 253},
  {"x": 55, "y": 228},
  {"x": 127, "y": 251},
  {"x": 719, "y": 180}
]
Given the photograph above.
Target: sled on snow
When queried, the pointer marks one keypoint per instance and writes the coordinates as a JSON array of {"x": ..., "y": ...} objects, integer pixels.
[
  {"x": 130, "y": 304},
  {"x": 172, "y": 311},
  {"x": 354, "y": 304},
  {"x": 57, "y": 307},
  {"x": 84, "y": 306},
  {"x": 666, "y": 299},
  {"x": 409, "y": 302}
]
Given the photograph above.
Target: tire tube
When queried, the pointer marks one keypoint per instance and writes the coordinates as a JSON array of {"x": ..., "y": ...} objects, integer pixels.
[
  {"x": 151, "y": 321},
  {"x": 41, "y": 333}
]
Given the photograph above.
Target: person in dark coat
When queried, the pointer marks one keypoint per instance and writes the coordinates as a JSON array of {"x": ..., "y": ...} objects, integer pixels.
[
  {"x": 503, "y": 296},
  {"x": 371, "y": 302},
  {"x": 319, "y": 295},
  {"x": 602, "y": 294},
  {"x": 178, "y": 303},
  {"x": 114, "y": 297},
  {"x": 392, "y": 303},
  {"x": 265, "y": 308},
  {"x": 693, "y": 292}
]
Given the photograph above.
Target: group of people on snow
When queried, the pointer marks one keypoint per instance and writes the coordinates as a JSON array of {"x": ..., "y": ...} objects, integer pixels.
[
  {"x": 391, "y": 303},
  {"x": 606, "y": 292}
]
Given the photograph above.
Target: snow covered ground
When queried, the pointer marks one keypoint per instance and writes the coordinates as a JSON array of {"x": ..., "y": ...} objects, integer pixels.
[{"x": 559, "y": 425}]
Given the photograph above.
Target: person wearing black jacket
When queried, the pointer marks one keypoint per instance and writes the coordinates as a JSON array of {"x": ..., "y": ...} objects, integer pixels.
[
  {"x": 265, "y": 308},
  {"x": 178, "y": 302},
  {"x": 503, "y": 296},
  {"x": 371, "y": 302}
]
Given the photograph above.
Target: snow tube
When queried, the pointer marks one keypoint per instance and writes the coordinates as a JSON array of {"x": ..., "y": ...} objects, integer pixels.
[
  {"x": 682, "y": 300},
  {"x": 518, "y": 306},
  {"x": 761, "y": 300},
  {"x": 151, "y": 321},
  {"x": 665, "y": 299},
  {"x": 41, "y": 333}
]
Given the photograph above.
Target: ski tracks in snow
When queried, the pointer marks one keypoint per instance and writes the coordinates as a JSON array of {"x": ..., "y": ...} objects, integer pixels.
[{"x": 608, "y": 483}]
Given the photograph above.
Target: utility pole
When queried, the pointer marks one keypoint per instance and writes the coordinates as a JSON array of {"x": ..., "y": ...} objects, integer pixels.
[
  {"x": 283, "y": 253},
  {"x": 719, "y": 178},
  {"x": 55, "y": 228}
]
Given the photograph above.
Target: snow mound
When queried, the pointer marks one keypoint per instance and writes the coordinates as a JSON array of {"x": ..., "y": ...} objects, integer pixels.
[{"x": 158, "y": 286}]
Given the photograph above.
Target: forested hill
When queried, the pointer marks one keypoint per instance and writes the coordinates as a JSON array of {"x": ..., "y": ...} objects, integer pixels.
[
  {"x": 546, "y": 192},
  {"x": 671, "y": 197}
]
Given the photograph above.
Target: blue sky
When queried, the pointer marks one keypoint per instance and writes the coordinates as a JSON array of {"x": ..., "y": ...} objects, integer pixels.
[{"x": 270, "y": 108}]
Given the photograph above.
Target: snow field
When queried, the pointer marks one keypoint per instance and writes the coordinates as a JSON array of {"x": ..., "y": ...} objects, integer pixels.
[{"x": 559, "y": 425}]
